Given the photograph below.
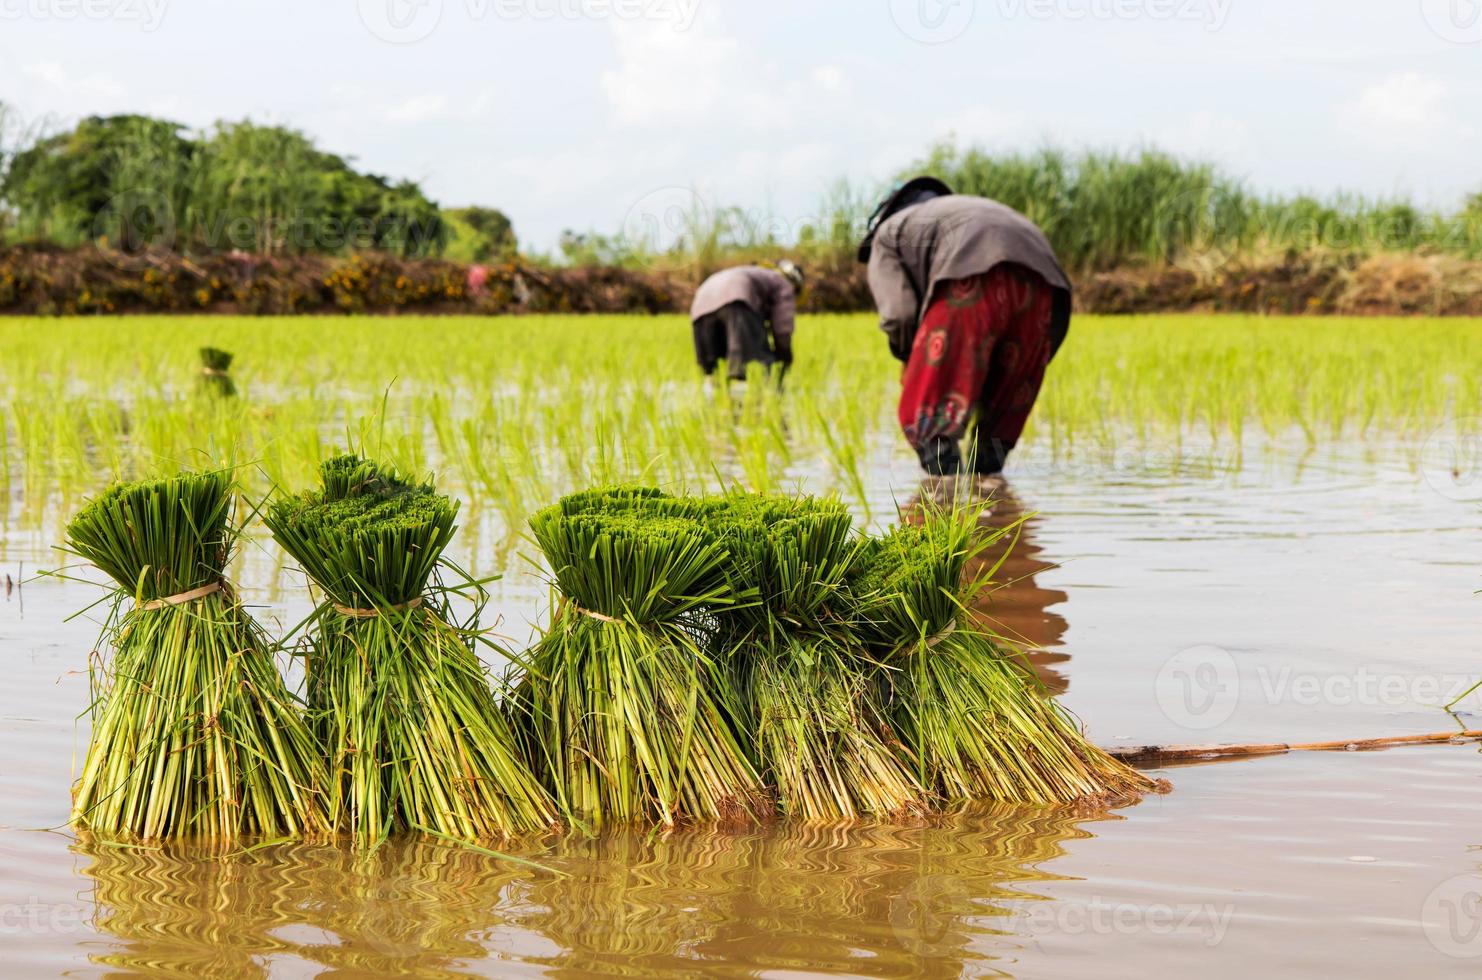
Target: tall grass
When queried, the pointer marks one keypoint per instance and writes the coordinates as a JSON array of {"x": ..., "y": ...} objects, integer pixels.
[
  {"x": 1100, "y": 210},
  {"x": 1103, "y": 209}
]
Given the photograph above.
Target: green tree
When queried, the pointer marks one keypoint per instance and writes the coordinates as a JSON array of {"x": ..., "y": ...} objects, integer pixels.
[
  {"x": 271, "y": 190},
  {"x": 115, "y": 177},
  {"x": 137, "y": 182},
  {"x": 478, "y": 234}
]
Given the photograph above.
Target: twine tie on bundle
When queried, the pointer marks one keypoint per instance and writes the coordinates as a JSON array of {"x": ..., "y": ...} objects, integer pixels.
[
  {"x": 595, "y": 615},
  {"x": 213, "y": 372},
  {"x": 941, "y": 637},
  {"x": 350, "y": 612},
  {"x": 193, "y": 595}
]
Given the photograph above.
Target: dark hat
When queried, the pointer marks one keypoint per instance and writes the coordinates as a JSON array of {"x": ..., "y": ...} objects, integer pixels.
[{"x": 913, "y": 191}]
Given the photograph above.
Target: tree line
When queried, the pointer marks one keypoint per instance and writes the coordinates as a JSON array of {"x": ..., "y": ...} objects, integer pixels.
[{"x": 135, "y": 183}]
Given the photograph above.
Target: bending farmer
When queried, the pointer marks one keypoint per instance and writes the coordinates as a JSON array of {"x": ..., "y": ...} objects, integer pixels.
[
  {"x": 975, "y": 303},
  {"x": 746, "y": 315}
]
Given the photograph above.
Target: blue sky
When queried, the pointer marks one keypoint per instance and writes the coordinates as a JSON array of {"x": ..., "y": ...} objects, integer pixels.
[{"x": 586, "y": 113}]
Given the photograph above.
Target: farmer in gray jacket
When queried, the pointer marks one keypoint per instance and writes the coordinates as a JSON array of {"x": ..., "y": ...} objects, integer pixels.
[
  {"x": 746, "y": 315},
  {"x": 975, "y": 303}
]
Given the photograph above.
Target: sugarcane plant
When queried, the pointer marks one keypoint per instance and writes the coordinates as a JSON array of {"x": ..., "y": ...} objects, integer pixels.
[
  {"x": 978, "y": 723},
  {"x": 194, "y": 732},
  {"x": 822, "y": 737},
  {"x": 398, "y": 694},
  {"x": 629, "y": 717}
]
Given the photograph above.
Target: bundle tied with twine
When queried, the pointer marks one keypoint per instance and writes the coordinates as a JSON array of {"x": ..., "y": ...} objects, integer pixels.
[
  {"x": 398, "y": 694},
  {"x": 629, "y": 717},
  {"x": 216, "y": 379},
  {"x": 193, "y": 731},
  {"x": 822, "y": 737},
  {"x": 976, "y": 720}
]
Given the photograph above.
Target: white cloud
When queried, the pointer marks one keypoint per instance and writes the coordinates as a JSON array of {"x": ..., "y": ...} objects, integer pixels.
[
  {"x": 982, "y": 125},
  {"x": 52, "y": 75},
  {"x": 1207, "y": 135},
  {"x": 665, "y": 76},
  {"x": 705, "y": 77},
  {"x": 1401, "y": 105},
  {"x": 831, "y": 78},
  {"x": 418, "y": 108}
]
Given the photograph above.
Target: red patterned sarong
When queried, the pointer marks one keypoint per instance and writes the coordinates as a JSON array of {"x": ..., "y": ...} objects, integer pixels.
[{"x": 983, "y": 346}]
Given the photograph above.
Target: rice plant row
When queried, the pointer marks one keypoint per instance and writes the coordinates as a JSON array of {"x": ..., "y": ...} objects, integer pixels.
[{"x": 515, "y": 412}]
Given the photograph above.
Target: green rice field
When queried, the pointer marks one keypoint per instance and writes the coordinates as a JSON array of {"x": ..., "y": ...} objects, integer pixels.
[
  {"x": 1224, "y": 529},
  {"x": 512, "y": 412}
]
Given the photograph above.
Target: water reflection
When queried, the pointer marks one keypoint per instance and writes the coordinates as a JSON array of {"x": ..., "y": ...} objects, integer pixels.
[
  {"x": 1018, "y": 608},
  {"x": 921, "y": 901},
  {"x": 1021, "y": 609},
  {"x": 411, "y": 908}
]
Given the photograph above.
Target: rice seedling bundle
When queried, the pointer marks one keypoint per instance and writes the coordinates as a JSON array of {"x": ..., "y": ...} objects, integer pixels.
[
  {"x": 972, "y": 713},
  {"x": 821, "y": 736},
  {"x": 397, "y": 692},
  {"x": 216, "y": 379},
  {"x": 194, "y": 732},
  {"x": 630, "y": 717}
]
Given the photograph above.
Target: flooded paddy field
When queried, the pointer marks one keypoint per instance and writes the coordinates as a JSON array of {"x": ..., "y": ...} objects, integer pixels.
[{"x": 1281, "y": 541}]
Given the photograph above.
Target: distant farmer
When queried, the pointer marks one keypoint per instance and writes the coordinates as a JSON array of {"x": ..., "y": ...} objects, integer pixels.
[
  {"x": 745, "y": 316},
  {"x": 975, "y": 303}
]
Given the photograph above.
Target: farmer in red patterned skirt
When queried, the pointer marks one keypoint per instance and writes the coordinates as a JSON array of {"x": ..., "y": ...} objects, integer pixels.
[{"x": 975, "y": 303}]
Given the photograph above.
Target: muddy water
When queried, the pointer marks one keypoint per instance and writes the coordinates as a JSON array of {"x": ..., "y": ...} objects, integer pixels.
[{"x": 1286, "y": 598}]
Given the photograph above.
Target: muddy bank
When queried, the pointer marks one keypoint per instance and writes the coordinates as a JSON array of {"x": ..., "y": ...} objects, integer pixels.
[{"x": 50, "y": 281}]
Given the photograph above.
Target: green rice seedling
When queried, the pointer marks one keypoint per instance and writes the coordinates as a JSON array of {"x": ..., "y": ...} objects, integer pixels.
[
  {"x": 630, "y": 718},
  {"x": 397, "y": 693},
  {"x": 974, "y": 717},
  {"x": 822, "y": 737},
  {"x": 194, "y": 732},
  {"x": 510, "y": 425},
  {"x": 216, "y": 378}
]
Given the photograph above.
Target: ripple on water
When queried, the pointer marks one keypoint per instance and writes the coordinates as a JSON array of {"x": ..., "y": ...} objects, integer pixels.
[{"x": 1245, "y": 869}]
